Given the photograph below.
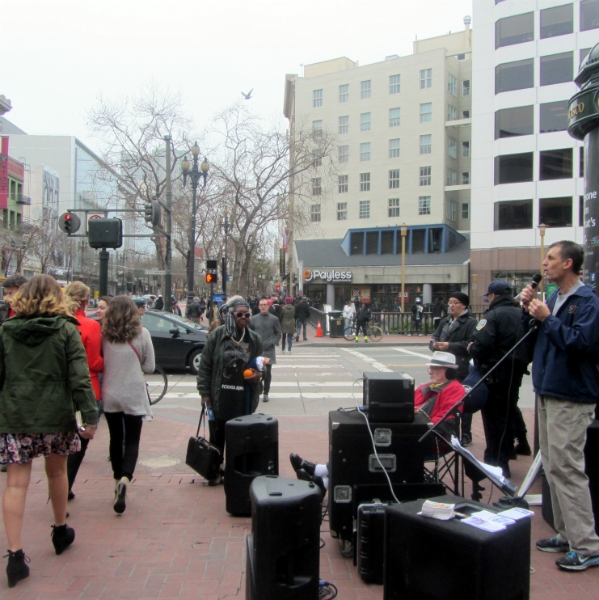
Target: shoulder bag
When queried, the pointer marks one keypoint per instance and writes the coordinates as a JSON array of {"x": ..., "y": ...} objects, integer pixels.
[{"x": 202, "y": 456}]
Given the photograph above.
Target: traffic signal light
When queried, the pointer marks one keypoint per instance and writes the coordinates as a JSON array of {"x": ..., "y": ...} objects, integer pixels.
[
  {"x": 69, "y": 223},
  {"x": 152, "y": 213},
  {"x": 105, "y": 233},
  {"x": 211, "y": 277}
]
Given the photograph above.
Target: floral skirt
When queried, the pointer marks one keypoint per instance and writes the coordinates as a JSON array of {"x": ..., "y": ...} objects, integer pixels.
[{"x": 21, "y": 448}]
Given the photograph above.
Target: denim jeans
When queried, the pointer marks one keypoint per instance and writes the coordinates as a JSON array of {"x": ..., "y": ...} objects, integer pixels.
[
  {"x": 299, "y": 324},
  {"x": 289, "y": 337}
]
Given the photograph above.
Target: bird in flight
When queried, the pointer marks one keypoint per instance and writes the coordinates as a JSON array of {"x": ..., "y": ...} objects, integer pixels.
[{"x": 248, "y": 95}]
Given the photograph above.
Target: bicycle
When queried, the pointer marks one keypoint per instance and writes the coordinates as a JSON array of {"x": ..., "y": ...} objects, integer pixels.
[
  {"x": 156, "y": 386},
  {"x": 374, "y": 332}
]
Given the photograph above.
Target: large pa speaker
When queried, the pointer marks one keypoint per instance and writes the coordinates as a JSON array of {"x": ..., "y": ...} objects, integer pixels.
[
  {"x": 389, "y": 397},
  {"x": 352, "y": 461},
  {"x": 251, "y": 449},
  {"x": 591, "y": 457},
  {"x": 428, "y": 559},
  {"x": 283, "y": 550}
]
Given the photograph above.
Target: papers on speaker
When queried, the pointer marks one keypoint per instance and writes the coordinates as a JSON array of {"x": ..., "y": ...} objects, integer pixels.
[
  {"x": 481, "y": 523},
  {"x": 516, "y": 513},
  {"x": 496, "y": 472},
  {"x": 437, "y": 510}
]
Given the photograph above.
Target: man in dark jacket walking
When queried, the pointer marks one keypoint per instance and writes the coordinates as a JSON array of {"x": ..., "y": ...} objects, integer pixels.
[
  {"x": 302, "y": 314},
  {"x": 362, "y": 317},
  {"x": 11, "y": 286},
  {"x": 564, "y": 378},
  {"x": 194, "y": 311},
  {"x": 496, "y": 333},
  {"x": 453, "y": 335}
]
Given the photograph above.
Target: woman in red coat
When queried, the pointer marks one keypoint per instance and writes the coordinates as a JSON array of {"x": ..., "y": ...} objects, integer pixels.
[{"x": 77, "y": 296}]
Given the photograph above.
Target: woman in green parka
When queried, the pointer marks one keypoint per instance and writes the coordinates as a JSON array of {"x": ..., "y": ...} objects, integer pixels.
[{"x": 44, "y": 379}]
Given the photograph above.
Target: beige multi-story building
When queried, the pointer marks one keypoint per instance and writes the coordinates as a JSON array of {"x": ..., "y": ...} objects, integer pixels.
[{"x": 400, "y": 132}]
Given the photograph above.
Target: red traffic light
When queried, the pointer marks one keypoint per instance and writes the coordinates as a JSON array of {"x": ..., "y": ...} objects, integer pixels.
[{"x": 69, "y": 223}]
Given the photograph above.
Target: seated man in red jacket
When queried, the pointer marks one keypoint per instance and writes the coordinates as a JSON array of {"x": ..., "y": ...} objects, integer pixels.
[{"x": 432, "y": 399}]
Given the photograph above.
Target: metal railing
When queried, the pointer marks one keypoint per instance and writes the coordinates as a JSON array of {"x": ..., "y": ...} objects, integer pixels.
[{"x": 20, "y": 199}]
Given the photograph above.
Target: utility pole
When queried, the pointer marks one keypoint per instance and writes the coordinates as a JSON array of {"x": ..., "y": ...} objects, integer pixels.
[{"x": 168, "y": 277}]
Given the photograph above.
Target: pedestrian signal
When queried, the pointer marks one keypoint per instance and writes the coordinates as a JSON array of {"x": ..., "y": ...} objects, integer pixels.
[{"x": 211, "y": 277}]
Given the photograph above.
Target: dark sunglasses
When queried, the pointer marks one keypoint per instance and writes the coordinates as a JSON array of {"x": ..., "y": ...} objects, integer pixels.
[{"x": 247, "y": 315}]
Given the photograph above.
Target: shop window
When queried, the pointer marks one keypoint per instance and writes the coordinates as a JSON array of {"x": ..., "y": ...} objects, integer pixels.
[
  {"x": 513, "y": 168},
  {"x": 556, "y": 68},
  {"x": 554, "y": 116},
  {"x": 513, "y": 214},
  {"x": 372, "y": 242},
  {"x": 512, "y": 122},
  {"x": 514, "y": 30},
  {"x": 555, "y": 164},
  {"x": 557, "y": 20},
  {"x": 555, "y": 212},
  {"x": 517, "y": 75},
  {"x": 357, "y": 242},
  {"x": 418, "y": 241}
]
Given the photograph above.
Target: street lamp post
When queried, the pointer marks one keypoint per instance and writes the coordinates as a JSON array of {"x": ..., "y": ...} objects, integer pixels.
[
  {"x": 195, "y": 173},
  {"x": 542, "y": 228},
  {"x": 404, "y": 232},
  {"x": 226, "y": 228}
]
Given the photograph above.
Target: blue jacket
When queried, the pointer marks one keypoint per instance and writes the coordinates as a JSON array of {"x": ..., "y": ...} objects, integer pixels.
[{"x": 564, "y": 363}]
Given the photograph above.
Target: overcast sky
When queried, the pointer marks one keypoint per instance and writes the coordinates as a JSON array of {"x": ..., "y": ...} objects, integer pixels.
[{"x": 57, "y": 56}]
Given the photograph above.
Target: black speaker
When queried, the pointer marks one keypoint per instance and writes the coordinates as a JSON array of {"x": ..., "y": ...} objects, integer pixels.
[
  {"x": 283, "y": 550},
  {"x": 389, "y": 397},
  {"x": 428, "y": 559},
  {"x": 591, "y": 457},
  {"x": 352, "y": 461},
  {"x": 251, "y": 449}
]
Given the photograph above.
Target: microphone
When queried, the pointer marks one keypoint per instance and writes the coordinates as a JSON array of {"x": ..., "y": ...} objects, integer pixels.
[{"x": 536, "y": 279}]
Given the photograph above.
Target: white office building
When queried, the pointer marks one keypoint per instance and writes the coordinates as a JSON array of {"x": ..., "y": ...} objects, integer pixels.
[{"x": 526, "y": 170}]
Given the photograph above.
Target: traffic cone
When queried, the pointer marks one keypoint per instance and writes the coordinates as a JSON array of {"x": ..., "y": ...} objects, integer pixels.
[{"x": 319, "y": 330}]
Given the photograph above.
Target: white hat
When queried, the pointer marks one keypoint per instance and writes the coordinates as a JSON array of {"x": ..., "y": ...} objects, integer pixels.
[{"x": 442, "y": 359}]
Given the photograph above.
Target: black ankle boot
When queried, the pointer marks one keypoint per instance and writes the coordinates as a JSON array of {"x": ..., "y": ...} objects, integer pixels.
[
  {"x": 16, "y": 568},
  {"x": 62, "y": 537}
]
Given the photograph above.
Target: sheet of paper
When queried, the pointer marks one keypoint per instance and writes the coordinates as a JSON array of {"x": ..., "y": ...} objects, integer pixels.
[
  {"x": 516, "y": 513},
  {"x": 483, "y": 524},
  {"x": 496, "y": 471}
]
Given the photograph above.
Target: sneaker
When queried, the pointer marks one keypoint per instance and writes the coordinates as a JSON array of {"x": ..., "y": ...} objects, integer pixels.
[
  {"x": 365, "y": 340},
  {"x": 357, "y": 341},
  {"x": 553, "y": 544},
  {"x": 120, "y": 502},
  {"x": 466, "y": 440},
  {"x": 574, "y": 561},
  {"x": 265, "y": 398},
  {"x": 283, "y": 351},
  {"x": 297, "y": 462},
  {"x": 523, "y": 448}
]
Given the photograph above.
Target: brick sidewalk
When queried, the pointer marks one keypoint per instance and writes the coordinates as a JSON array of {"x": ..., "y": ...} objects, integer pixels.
[{"x": 176, "y": 540}]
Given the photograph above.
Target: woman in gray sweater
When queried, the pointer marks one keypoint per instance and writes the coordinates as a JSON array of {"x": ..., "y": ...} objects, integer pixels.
[{"x": 128, "y": 354}]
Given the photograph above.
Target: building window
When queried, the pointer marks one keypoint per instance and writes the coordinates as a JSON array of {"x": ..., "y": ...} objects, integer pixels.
[
  {"x": 424, "y": 205},
  {"x": 364, "y": 209},
  {"x": 589, "y": 15},
  {"x": 583, "y": 54},
  {"x": 556, "y": 68},
  {"x": 364, "y": 182},
  {"x": 514, "y": 30},
  {"x": 555, "y": 212},
  {"x": 513, "y": 168},
  {"x": 387, "y": 238},
  {"x": 426, "y": 142},
  {"x": 555, "y": 164},
  {"x": 316, "y": 186},
  {"x": 365, "y": 89},
  {"x": 465, "y": 177},
  {"x": 465, "y": 114},
  {"x": 451, "y": 210},
  {"x": 343, "y": 153},
  {"x": 426, "y": 112},
  {"x": 356, "y": 242},
  {"x": 581, "y": 211},
  {"x": 394, "y": 117},
  {"x": 317, "y": 99},
  {"x": 365, "y": 151},
  {"x": 511, "y": 122},
  {"x": 465, "y": 149},
  {"x": 452, "y": 85},
  {"x": 394, "y": 86},
  {"x": 315, "y": 213},
  {"x": 365, "y": 122},
  {"x": 517, "y": 75},
  {"x": 341, "y": 211},
  {"x": 452, "y": 147},
  {"x": 394, "y": 148},
  {"x": 344, "y": 124},
  {"x": 513, "y": 214},
  {"x": 425, "y": 176},
  {"x": 393, "y": 179},
  {"x": 554, "y": 116},
  {"x": 317, "y": 129},
  {"x": 452, "y": 177},
  {"x": 465, "y": 210},
  {"x": 558, "y": 20},
  {"x": 317, "y": 157},
  {"x": 581, "y": 162},
  {"x": 344, "y": 93},
  {"x": 393, "y": 208},
  {"x": 426, "y": 78},
  {"x": 466, "y": 87},
  {"x": 343, "y": 185},
  {"x": 452, "y": 113}
]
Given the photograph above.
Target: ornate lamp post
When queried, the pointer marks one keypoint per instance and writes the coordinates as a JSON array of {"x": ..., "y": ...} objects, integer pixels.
[
  {"x": 195, "y": 174},
  {"x": 542, "y": 228}
]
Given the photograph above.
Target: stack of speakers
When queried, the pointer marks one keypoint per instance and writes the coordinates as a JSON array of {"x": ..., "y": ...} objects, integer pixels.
[
  {"x": 252, "y": 449},
  {"x": 283, "y": 550}
]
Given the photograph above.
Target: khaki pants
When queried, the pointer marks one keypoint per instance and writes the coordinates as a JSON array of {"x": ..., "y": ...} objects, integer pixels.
[{"x": 563, "y": 428}]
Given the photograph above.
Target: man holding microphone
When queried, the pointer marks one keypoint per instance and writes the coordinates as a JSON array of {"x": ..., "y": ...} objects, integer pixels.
[{"x": 565, "y": 380}]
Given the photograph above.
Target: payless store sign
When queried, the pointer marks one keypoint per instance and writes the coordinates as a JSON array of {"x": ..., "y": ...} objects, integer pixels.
[{"x": 330, "y": 276}]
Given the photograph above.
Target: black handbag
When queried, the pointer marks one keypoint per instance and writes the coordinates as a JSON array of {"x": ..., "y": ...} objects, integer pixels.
[{"x": 202, "y": 456}]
